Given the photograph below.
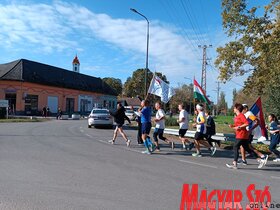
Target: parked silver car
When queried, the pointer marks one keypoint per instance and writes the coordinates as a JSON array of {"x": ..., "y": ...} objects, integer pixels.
[
  {"x": 100, "y": 117},
  {"x": 130, "y": 114}
]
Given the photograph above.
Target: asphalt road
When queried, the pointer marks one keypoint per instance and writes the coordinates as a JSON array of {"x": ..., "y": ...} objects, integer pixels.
[{"x": 65, "y": 165}]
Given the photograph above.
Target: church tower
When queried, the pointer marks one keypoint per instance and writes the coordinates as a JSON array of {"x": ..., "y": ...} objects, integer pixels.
[{"x": 76, "y": 64}]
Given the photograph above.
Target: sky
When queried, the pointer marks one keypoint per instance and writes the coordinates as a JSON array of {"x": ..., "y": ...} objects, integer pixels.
[{"x": 110, "y": 39}]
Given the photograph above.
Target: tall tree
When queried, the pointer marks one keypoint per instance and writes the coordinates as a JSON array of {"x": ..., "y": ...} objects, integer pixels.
[
  {"x": 114, "y": 83},
  {"x": 222, "y": 106},
  {"x": 183, "y": 94},
  {"x": 234, "y": 96},
  {"x": 272, "y": 99},
  {"x": 255, "y": 47},
  {"x": 134, "y": 86}
]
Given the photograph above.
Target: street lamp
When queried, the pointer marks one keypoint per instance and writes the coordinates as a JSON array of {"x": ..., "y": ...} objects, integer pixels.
[{"x": 147, "y": 52}]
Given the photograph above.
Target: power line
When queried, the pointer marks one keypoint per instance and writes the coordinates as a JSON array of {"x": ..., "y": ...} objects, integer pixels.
[
  {"x": 193, "y": 23},
  {"x": 228, "y": 80},
  {"x": 178, "y": 23}
]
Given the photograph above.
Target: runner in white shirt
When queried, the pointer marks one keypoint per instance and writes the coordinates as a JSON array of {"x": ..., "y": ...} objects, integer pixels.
[
  {"x": 159, "y": 128},
  {"x": 183, "y": 125}
]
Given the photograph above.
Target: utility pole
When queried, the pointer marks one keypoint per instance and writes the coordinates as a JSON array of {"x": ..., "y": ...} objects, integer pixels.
[
  {"x": 218, "y": 96},
  {"x": 218, "y": 92},
  {"x": 204, "y": 63}
]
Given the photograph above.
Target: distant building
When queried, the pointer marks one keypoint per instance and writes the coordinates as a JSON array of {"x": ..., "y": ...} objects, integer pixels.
[
  {"x": 130, "y": 102},
  {"x": 29, "y": 86}
]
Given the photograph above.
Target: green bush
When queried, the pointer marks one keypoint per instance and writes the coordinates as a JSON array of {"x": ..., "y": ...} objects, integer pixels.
[{"x": 171, "y": 121}]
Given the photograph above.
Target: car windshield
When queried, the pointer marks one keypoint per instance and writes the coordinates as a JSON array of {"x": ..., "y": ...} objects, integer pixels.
[{"x": 100, "y": 111}]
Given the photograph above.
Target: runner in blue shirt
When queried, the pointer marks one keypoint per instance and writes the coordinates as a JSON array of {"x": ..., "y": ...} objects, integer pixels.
[
  {"x": 146, "y": 114},
  {"x": 274, "y": 136}
]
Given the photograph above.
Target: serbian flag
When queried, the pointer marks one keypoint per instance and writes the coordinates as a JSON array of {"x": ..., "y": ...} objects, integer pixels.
[
  {"x": 161, "y": 89},
  {"x": 259, "y": 132},
  {"x": 199, "y": 93}
]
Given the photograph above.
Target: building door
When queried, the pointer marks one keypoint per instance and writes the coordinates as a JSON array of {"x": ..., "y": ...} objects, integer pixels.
[
  {"x": 53, "y": 103},
  {"x": 70, "y": 105},
  {"x": 12, "y": 98},
  {"x": 83, "y": 106}
]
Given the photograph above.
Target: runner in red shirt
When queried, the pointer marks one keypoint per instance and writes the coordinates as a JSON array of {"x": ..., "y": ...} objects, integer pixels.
[{"x": 242, "y": 136}]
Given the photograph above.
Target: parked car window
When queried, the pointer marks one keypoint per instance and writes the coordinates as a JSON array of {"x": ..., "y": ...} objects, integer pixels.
[{"x": 99, "y": 111}]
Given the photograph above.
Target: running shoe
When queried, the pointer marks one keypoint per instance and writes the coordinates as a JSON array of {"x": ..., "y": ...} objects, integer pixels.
[
  {"x": 146, "y": 152},
  {"x": 231, "y": 166},
  {"x": 191, "y": 146},
  {"x": 172, "y": 145},
  {"x": 112, "y": 141},
  {"x": 128, "y": 143},
  {"x": 196, "y": 154},
  {"x": 153, "y": 147},
  {"x": 243, "y": 162},
  {"x": 157, "y": 149},
  {"x": 265, "y": 159},
  {"x": 261, "y": 163},
  {"x": 276, "y": 160},
  {"x": 213, "y": 150}
]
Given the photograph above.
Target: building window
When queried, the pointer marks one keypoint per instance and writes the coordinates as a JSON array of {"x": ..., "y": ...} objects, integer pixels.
[{"x": 31, "y": 104}]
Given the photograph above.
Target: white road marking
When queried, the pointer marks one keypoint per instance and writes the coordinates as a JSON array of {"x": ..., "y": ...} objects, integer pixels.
[
  {"x": 200, "y": 164},
  {"x": 275, "y": 177}
]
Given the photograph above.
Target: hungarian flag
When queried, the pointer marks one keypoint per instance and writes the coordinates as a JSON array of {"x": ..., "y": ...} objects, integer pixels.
[
  {"x": 199, "y": 93},
  {"x": 259, "y": 132}
]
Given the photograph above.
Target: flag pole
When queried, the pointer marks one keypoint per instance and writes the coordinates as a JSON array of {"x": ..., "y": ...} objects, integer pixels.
[
  {"x": 193, "y": 97},
  {"x": 147, "y": 95}
]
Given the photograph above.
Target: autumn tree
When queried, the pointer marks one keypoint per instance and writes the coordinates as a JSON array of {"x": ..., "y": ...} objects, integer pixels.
[
  {"x": 114, "y": 83},
  {"x": 254, "y": 48},
  {"x": 183, "y": 94}
]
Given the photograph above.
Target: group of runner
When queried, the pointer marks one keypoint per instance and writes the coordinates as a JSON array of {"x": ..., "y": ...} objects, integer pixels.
[{"x": 244, "y": 124}]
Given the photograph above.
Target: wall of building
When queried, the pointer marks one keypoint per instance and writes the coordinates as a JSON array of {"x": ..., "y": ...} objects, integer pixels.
[{"x": 26, "y": 94}]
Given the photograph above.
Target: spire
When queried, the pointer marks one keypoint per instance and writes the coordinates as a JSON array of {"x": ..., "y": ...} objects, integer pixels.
[
  {"x": 76, "y": 64},
  {"x": 76, "y": 60}
]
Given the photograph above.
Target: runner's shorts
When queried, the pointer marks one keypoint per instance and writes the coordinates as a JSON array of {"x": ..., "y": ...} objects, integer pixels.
[
  {"x": 146, "y": 128},
  {"x": 182, "y": 132},
  {"x": 199, "y": 136}
]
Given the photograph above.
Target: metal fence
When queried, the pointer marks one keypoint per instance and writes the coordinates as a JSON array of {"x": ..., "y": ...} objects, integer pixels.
[{"x": 218, "y": 136}]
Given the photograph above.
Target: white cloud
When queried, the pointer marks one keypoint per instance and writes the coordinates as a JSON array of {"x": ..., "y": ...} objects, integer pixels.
[
  {"x": 52, "y": 27},
  {"x": 61, "y": 26}
]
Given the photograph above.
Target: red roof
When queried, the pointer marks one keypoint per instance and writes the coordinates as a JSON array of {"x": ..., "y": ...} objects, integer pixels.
[{"x": 76, "y": 60}]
